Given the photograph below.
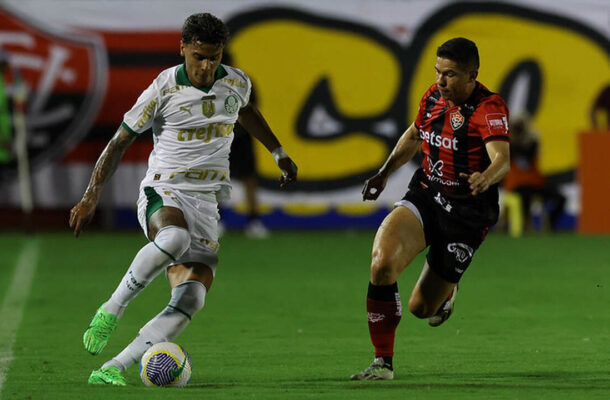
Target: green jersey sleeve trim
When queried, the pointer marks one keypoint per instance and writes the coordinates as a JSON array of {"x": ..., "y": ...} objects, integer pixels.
[{"x": 128, "y": 129}]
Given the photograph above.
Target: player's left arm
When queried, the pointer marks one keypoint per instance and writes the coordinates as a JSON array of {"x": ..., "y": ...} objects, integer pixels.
[
  {"x": 253, "y": 121},
  {"x": 499, "y": 154}
]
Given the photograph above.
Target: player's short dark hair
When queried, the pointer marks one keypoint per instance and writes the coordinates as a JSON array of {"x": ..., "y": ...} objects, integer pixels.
[
  {"x": 205, "y": 28},
  {"x": 461, "y": 50}
]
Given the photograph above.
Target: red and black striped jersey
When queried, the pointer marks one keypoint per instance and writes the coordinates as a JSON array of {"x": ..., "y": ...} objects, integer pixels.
[{"x": 453, "y": 138}]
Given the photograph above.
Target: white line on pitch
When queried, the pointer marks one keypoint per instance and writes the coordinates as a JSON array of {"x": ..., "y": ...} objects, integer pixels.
[{"x": 12, "y": 307}]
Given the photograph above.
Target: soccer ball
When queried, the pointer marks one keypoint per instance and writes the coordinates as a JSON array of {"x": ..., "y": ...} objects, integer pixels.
[{"x": 166, "y": 364}]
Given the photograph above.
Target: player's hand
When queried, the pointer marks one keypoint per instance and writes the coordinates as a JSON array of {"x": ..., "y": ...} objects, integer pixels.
[
  {"x": 81, "y": 214},
  {"x": 289, "y": 171},
  {"x": 374, "y": 186},
  {"x": 478, "y": 182}
]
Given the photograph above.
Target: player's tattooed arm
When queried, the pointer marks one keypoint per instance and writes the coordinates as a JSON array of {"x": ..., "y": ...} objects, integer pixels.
[
  {"x": 405, "y": 149},
  {"x": 105, "y": 166},
  {"x": 253, "y": 121}
]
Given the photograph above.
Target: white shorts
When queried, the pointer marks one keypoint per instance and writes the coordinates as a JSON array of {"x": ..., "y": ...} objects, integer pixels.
[{"x": 200, "y": 211}]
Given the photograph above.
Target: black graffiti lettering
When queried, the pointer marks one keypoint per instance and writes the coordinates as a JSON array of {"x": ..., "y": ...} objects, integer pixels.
[
  {"x": 320, "y": 119},
  {"x": 526, "y": 73},
  {"x": 318, "y": 114}
]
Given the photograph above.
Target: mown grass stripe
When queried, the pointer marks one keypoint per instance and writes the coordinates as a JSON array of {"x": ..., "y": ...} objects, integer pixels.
[{"x": 14, "y": 303}]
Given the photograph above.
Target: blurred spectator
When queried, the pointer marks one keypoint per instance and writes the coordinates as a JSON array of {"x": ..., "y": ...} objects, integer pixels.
[
  {"x": 242, "y": 165},
  {"x": 5, "y": 116},
  {"x": 525, "y": 178}
]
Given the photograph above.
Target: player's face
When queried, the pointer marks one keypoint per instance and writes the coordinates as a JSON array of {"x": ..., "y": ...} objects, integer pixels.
[
  {"x": 201, "y": 61},
  {"x": 455, "y": 84}
]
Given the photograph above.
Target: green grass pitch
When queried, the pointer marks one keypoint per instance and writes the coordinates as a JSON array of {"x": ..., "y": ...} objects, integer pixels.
[{"x": 286, "y": 319}]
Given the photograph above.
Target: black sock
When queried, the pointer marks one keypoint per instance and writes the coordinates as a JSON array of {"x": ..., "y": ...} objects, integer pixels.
[{"x": 383, "y": 292}]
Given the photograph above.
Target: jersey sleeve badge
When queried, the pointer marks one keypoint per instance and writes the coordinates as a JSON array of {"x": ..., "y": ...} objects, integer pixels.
[{"x": 497, "y": 123}]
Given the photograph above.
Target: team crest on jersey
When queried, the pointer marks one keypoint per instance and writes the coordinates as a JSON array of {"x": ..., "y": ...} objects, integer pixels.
[
  {"x": 457, "y": 120},
  {"x": 231, "y": 104},
  {"x": 208, "y": 108}
]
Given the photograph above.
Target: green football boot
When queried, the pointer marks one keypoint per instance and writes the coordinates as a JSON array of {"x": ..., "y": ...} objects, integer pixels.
[
  {"x": 101, "y": 327},
  {"x": 107, "y": 376}
]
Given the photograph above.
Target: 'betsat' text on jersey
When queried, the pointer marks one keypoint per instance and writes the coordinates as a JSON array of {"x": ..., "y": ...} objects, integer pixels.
[{"x": 192, "y": 128}]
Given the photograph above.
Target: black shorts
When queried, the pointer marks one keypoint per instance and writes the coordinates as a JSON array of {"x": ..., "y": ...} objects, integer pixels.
[
  {"x": 453, "y": 228},
  {"x": 241, "y": 159}
]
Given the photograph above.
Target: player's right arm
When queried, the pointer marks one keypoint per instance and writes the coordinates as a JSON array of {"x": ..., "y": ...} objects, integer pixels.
[
  {"x": 105, "y": 166},
  {"x": 405, "y": 149}
]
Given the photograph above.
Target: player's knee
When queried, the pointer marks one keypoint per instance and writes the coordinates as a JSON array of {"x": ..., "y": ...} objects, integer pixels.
[
  {"x": 420, "y": 309},
  {"x": 188, "y": 297},
  {"x": 173, "y": 240},
  {"x": 383, "y": 270}
]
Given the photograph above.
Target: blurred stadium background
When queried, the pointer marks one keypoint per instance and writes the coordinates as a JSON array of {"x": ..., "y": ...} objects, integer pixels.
[{"x": 338, "y": 81}]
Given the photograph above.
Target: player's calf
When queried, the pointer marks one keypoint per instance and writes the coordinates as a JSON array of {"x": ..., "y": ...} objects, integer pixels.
[{"x": 445, "y": 311}]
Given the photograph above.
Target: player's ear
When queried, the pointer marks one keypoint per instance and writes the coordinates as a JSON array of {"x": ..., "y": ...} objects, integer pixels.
[
  {"x": 182, "y": 48},
  {"x": 473, "y": 75}
]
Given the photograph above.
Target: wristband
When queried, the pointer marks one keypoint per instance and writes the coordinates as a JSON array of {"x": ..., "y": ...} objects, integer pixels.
[{"x": 278, "y": 154}]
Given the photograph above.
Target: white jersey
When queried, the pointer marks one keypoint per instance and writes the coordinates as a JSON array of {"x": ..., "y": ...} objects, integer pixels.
[{"x": 192, "y": 128}]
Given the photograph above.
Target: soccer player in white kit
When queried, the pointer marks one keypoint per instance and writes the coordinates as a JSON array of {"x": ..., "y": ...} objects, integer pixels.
[{"x": 191, "y": 109}]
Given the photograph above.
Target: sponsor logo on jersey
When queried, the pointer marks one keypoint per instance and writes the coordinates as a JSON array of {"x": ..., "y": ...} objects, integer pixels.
[
  {"x": 208, "y": 108},
  {"x": 497, "y": 123},
  {"x": 235, "y": 82},
  {"x": 231, "y": 104},
  {"x": 462, "y": 251},
  {"x": 200, "y": 174},
  {"x": 437, "y": 167},
  {"x": 211, "y": 244},
  {"x": 456, "y": 119},
  {"x": 205, "y": 133},
  {"x": 437, "y": 140},
  {"x": 147, "y": 112},
  {"x": 443, "y": 202},
  {"x": 173, "y": 89}
]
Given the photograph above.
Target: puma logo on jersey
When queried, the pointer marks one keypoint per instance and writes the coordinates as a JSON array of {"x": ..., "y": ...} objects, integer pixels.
[{"x": 185, "y": 109}]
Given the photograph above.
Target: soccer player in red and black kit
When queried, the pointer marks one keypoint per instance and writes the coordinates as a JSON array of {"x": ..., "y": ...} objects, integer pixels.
[{"x": 452, "y": 199}]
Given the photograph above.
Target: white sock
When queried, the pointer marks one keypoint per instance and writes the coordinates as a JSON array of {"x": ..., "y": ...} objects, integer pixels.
[
  {"x": 169, "y": 244},
  {"x": 187, "y": 299}
]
